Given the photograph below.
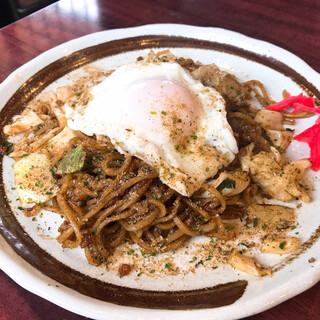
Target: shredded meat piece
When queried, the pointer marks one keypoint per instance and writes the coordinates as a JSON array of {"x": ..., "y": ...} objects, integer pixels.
[
  {"x": 3, "y": 150},
  {"x": 247, "y": 133},
  {"x": 87, "y": 240},
  {"x": 225, "y": 83},
  {"x": 124, "y": 269},
  {"x": 188, "y": 64}
]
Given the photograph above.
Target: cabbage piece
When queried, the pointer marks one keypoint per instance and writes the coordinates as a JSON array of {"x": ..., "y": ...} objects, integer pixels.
[
  {"x": 273, "y": 175},
  {"x": 72, "y": 161},
  {"x": 34, "y": 180}
]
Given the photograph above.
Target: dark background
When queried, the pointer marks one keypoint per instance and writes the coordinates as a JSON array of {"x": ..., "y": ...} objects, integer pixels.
[{"x": 12, "y": 10}]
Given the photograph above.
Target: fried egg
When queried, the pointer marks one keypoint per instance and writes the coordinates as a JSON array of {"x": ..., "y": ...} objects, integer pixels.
[{"x": 160, "y": 114}]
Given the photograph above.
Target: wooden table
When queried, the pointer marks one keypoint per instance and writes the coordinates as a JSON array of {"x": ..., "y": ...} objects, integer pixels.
[{"x": 293, "y": 25}]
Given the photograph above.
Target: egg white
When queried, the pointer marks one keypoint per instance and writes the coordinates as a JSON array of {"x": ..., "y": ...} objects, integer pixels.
[{"x": 186, "y": 146}]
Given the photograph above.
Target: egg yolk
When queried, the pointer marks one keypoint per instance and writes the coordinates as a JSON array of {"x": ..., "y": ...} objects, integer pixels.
[{"x": 163, "y": 105}]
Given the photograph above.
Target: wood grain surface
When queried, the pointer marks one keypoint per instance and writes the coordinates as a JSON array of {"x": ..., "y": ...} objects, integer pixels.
[{"x": 293, "y": 25}]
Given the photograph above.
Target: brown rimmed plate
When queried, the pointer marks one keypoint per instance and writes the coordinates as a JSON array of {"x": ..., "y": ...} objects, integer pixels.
[{"x": 36, "y": 261}]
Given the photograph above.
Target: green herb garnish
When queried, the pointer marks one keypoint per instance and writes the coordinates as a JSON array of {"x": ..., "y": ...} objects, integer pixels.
[
  {"x": 38, "y": 184},
  {"x": 163, "y": 244},
  {"x": 282, "y": 244},
  {"x": 226, "y": 184},
  {"x": 143, "y": 254},
  {"x": 243, "y": 244}
]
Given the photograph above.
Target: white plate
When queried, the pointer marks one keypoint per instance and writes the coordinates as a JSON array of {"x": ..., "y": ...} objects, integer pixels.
[{"x": 261, "y": 293}]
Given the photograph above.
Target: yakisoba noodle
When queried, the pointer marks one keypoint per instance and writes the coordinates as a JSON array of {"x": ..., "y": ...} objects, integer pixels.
[
  {"x": 117, "y": 198},
  {"x": 135, "y": 206}
]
